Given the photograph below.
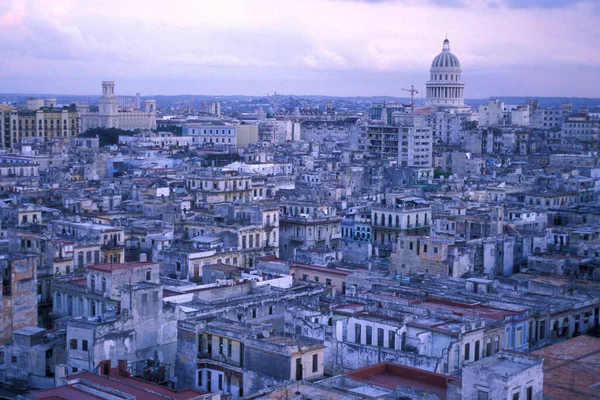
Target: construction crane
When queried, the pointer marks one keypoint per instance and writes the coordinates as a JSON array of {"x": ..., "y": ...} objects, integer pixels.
[{"x": 412, "y": 91}]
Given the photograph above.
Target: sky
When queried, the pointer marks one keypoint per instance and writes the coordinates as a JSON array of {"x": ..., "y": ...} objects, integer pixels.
[{"x": 316, "y": 47}]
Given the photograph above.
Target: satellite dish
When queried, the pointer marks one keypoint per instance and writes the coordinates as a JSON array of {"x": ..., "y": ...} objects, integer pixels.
[{"x": 266, "y": 334}]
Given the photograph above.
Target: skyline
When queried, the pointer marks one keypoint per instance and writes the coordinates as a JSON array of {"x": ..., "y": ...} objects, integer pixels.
[{"x": 331, "y": 48}]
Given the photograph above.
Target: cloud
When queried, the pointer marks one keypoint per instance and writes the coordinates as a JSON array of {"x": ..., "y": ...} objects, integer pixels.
[{"x": 294, "y": 41}]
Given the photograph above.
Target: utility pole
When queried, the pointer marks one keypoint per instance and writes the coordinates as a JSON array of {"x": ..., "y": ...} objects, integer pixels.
[{"x": 412, "y": 91}]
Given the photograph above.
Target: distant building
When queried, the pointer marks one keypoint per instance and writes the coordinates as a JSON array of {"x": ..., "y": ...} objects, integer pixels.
[
  {"x": 45, "y": 123},
  {"x": 212, "y": 134},
  {"x": 445, "y": 88},
  {"x": 109, "y": 114},
  {"x": 212, "y": 108}
]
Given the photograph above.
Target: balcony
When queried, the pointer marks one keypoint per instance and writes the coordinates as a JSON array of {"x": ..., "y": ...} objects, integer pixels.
[{"x": 219, "y": 360}]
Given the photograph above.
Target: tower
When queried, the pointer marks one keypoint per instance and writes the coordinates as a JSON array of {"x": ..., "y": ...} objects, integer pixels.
[
  {"x": 108, "y": 105},
  {"x": 445, "y": 88}
]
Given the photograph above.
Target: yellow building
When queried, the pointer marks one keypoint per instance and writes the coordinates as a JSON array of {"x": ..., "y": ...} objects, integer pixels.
[{"x": 46, "y": 123}]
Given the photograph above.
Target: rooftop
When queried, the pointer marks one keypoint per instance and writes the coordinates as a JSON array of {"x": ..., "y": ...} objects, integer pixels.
[
  {"x": 119, "y": 266},
  {"x": 391, "y": 376},
  {"x": 572, "y": 368},
  {"x": 90, "y": 385}
]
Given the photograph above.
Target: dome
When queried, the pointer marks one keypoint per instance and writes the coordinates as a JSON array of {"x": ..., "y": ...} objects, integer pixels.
[{"x": 446, "y": 61}]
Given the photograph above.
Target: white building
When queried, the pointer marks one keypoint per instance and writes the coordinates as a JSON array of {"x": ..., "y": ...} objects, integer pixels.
[
  {"x": 109, "y": 114},
  {"x": 414, "y": 141},
  {"x": 221, "y": 133},
  {"x": 492, "y": 113},
  {"x": 445, "y": 88}
]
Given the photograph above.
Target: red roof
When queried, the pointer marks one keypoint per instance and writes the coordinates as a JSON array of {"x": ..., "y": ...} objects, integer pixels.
[
  {"x": 390, "y": 375},
  {"x": 326, "y": 270},
  {"x": 116, "y": 381},
  {"x": 468, "y": 309},
  {"x": 117, "y": 266}
]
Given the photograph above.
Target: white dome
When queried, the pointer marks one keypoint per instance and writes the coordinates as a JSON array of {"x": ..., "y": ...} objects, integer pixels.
[{"x": 445, "y": 61}]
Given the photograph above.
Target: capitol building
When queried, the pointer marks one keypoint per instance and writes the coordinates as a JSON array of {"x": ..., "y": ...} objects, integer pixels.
[
  {"x": 444, "y": 88},
  {"x": 110, "y": 115}
]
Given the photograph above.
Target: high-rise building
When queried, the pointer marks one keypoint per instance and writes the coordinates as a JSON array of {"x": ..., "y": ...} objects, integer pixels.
[{"x": 445, "y": 88}]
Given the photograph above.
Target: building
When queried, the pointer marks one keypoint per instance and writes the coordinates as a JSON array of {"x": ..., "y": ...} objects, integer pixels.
[
  {"x": 211, "y": 134},
  {"x": 306, "y": 224},
  {"x": 241, "y": 359},
  {"x": 414, "y": 141},
  {"x": 399, "y": 216},
  {"x": 383, "y": 111},
  {"x": 18, "y": 298},
  {"x": 581, "y": 130},
  {"x": 380, "y": 141},
  {"x": 445, "y": 87},
  {"x": 109, "y": 115},
  {"x": 32, "y": 357},
  {"x": 211, "y": 108},
  {"x": 46, "y": 123},
  {"x": 504, "y": 375}
]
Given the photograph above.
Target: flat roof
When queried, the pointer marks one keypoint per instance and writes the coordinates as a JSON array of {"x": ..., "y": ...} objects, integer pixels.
[
  {"x": 327, "y": 270},
  {"x": 109, "y": 267},
  {"x": 115, "y": 381},
  {"x": 391, "y": 375}
]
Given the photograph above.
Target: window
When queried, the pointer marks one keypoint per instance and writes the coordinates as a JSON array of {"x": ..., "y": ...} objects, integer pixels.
[
  {"x": 316, "y": 279},
  {"x": 530, "y": 393},
  {"x": 13, "y": 359},
  {"x": 149, "y": 275},
  {"x": 467, "y": 351},
  {"x": 178, "y": 266},
  {"x": 270, "y": 310},
  {"x": 84, "y": 345},
  {"x": 515, "y": 396},
  {"x": 482, "y": 395},
  {"x": 315, "y": 363},
  {"x": 369, "y": 335},
  {"x": 304, "y": 277},
  {"x": 220, "y": 382},
  {"x": 75, "y": 369},
  {"x": 254, "y": 313},
  {"x": 519, "y": 337},
  {"x": 391, "y": 339},
  {"x": 424, "y": 248},
  {"x": 380, "y": 337},
  {"x": 328, "y": 282},
  {"x": 357, "y": 332},
  {"x": 221, "y": 345},
  {"x": 145, "y": 298},
  {"x": 73, "y": 344},
  {"x": 229, "y": 347}
]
